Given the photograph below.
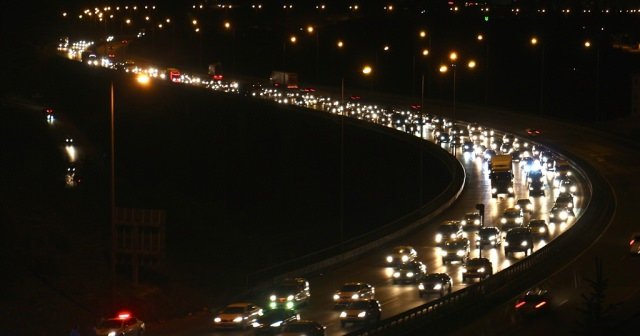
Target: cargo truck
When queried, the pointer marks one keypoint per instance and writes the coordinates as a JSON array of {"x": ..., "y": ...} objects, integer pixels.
[
  {"x": 287, "y": 80},
  {"x": 501, "y": 175}
]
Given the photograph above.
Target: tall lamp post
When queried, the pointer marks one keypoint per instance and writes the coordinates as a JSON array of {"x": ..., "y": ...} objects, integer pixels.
[
  {"x": 292, "y": 39},
  {"x": 425, "y": 53},
  {"x": 453, "y": 58},
  {"x": 588, "y": 45},
  {"x": 482, "y": 39},
  {"x": 313, "y": 30},
  {"x": 340, "y": 45},
  {"x": 142, "y": 80},
  {"x": 535, "y": 42}
]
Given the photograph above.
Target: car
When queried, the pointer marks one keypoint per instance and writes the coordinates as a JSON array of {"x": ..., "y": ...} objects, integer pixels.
[
  {"x": 411, "y": 272},
  {"x": 400, "y": 255},
  {"x": 477, "y": 268},
  {"x": 518, "y": 240},
  {"x": 443, "y": 138},
  {"x": 435, "y": 283},
  {"x": 476, "y": 135},
  {"x": 489, "y": 236},
  {"x": 290, "y": 293},
  {"x": 68, "y": 141},
  {"x": 455, "y": 130},
  {"x": 563, "y": 168},
  {"x": 539, "y": 228},
  {"x": 495, "y": 144},
  {"x": 456, "y": 140},
  {"x": 511, "y": 218},
  {"x": 473, "y": 127},
  {"x": 536, "y": 189},
  {"x": 516, "y": 155},
  {"x": 558, "y": 215},
  {"x": 366, "y": 311},
  {"x": 353, "y": 291},
  {"x": 506, "y": 148},
  {"x": 567, "y": 185},
  {"x": 550, "y": 165},
  {"x": 124, "y": 324},
  {"x": 565, "y": 200},
  {"x": 488, "y": 154},
  {"x": 634, "y": 244},
  {"x": 239, "y": 315},
  {"x": 533, "y": 301},
  {"x": 536, "y": 175},
  {"x": 545, "y": 155},
  {"x": 272, "y": 321},
  {"x": 527, "y": 163},
  {"x": 524, "y": 204},
  {"x": 455, "y": 250},
  {"x": 479, "y": 150},
  {"x": 471, "y": 221},
  {"x": 47, "y": 111},
  {"x": 468, "y": 147},
  {"x": 448, "y": 230},
  {"x": 487, "y": 132},
  {"x": 508, "y": 137},
  {"x": 533, "y": 132},
  {"x": 302, "y": 328}
]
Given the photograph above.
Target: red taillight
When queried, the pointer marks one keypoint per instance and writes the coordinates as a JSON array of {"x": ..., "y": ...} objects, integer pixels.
[
  {"x": 520, "y": 304},
  {"x": 539, "y": 305},
  {"x": 632, "y": 241},
  {"x": 217, "y": 77},
  {"x": 124, "y": 316}
]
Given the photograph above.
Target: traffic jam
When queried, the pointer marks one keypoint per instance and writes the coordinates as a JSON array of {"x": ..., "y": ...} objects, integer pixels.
[{"x": 532, "y": 195}]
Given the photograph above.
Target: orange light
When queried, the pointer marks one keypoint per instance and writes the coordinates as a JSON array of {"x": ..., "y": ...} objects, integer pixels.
[
  {"x": 541, "y": 304},
  {"x": 453, "y": 56},
  {"x": 632, "y": 241}
]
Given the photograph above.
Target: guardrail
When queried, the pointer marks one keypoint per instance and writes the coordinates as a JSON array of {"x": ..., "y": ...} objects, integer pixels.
[{"x": 441, "y": 315}]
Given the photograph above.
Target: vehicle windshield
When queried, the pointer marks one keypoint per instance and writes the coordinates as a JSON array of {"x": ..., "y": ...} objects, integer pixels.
[
  {"x": 350, "y": 288},
  {"x": 401, "y": 251},
  {"x": 233, "y": 310},
  {"x": 512, "y": 214},
  {"x": 448, "y": 228},
  {"x": 455, "y": 244},
  {"x": 487, "y": 232},
  {"x": 433, "y": 278},
  {"x": 297, "y": 327},
  {"x": 285, "y": 289},
  {"x": 275, "y": 315},
  {"x": 476, "y": 262},
  {"x": 110, "y": 324}
]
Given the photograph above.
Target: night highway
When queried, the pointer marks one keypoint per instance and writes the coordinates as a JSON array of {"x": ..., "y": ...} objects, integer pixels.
[{"x": 308, "y": 141}]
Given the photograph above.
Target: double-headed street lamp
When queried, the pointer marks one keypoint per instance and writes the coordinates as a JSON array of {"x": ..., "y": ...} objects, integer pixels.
[
  {"x": 536, "y": 42},
  {"x": 453, "y": 58}
]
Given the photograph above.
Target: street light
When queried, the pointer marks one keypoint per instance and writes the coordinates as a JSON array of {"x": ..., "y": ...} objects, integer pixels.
[
  {"x": 292, "y": 39},
  {"x": 534, "y": 42},
  {"x": 312, "y": 30},
  {"x": 143, "y": 80},
  {"x": 453, "y": 58},
  {"x": 588, "y": 45}
]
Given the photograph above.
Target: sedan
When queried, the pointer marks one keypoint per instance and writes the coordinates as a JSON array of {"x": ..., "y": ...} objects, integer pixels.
[
  {"x": 490, "y": 236},
  {"x": 634, "y": 244},
  {"x": 533, "y": 302},
  {"x": 271, "y": 322},
  {"x": 539, "y": 228},
  {"x": 367, "y": 311},
  {"x": 124, "y": 324},
  {"x": 303, "y": 328},
  {"x": 237, "y": 315},
  {"x": 435, "y": 283},
  {"x": 353, "y": 291},
  {"x": 409, "y": 273}
]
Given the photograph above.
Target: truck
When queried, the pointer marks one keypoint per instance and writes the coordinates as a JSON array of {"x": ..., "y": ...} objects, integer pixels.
[
  {"x": 288, "y": 80},
  {"x": 501, "y": 175}
]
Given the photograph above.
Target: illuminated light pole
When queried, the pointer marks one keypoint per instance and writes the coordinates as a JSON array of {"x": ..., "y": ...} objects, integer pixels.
[
  {"x": 588, "y": 45},
  {"x": 340, "y": 45},
  {"x": 143, "y": 80},
  {"x": 453, "y": 58},
  {"x": 482, "y": 39},
  {"x": 535, "y": 42},
  {"x": 292, "y": 39},
  {"x": 228, "y": 27},
  {"x": 425, "y": 53},
  {"x": 314, "y": 30}
]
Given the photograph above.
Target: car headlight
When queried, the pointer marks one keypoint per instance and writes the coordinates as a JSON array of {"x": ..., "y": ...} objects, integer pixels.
[
  {"x": 272, "y": 297},
  {"x": 524, "y": 243},
  {"x": 460, "y": 253},
  {"x": 362, "y": 314},
  {"x": 405, "y": 258},
  {"x": 355, "y": 296},
  {"x": 542, "y": 230},
  {"x": 217, "y": 319},
  {"x": 570, "y": 205},
  {"x": 255, "y": 324},
  {"x": 343, "y": 314},
  {"x": 396, "y": 274},
  {"x": 503, "y": 220},
  {"x": 494, "y": 190},
  {"x": 464, "y": 269},
  {"x": 542, "y": 179},
  {"x": 529, "y": 206},
  {"x": 476, "y": 222},
  {"x": 443, "y": 253},
  {"x": 237, "y": 319},
  {"x": 389, "y": 259},
  {"x": 563, "y": 215},
  {"x": 463, "y": 222},
  {"x": 289, "y": 305},
  {"x": 492, "y": 237},
  {"x": 421, "y": 286},
  {"x": 273, "y": 305},
  {"x": 290, "y": 298},
  {"x": 510, "y": 189},
  {"x": 518, "y": 220},
  {"x": 506, "y": 243},
  {"x": 410, "y": 274},
  {"x": 438, "y": 237},
  {"x": 437, "y": 286},
  {"x": 276, "y": 324},
  {"x": 481, "y": 270},
  {"x": 336, "y": 297},
  {"x": 112, "y": 333}
]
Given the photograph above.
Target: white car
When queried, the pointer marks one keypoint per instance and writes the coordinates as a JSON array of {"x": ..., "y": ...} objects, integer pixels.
[
  {"x": 237, "y": 315},
  {"x": 401, "y": 255},
  {"x": 353, "y": 291}
]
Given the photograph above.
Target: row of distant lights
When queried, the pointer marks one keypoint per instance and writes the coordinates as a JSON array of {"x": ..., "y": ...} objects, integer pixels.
[{"x": 100, "y": 12}]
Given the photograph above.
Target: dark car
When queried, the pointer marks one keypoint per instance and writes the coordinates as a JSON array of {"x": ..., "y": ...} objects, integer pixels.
[
  {"x": 471, "y": 221},
  {"x": 518, "y": 240},
  {"x": 559, "y": 215},
  {"x": 302, "y": 328},
  {"x": 533, "y": 302},
  {"x": 565, "y": 200},
  {"x": 366, "y": 311},
  {"x": 524, "y": 204},
  {"x": 448, "y": 230},
  {"x": 435, "y": 283},
  {"x": 410, "y": 272},
  {"x": 479, "y": 268},
  {"x": 489, "y": 236},
  {"x": 536, "y": 189},
  {"x": 290, "y": 293},
  {"x": 272, "y": 321},
  {"x": 468, "y": 147},
  {"x": 443, "y": 138},
  {"x": 539, "y": 228},
  {"x": 123, "y": 324},
  {"x": 455, "y": 250}
]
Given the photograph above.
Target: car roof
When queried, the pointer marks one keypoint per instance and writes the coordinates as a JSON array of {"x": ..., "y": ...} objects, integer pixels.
[{"x": 518, "y": 230}]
